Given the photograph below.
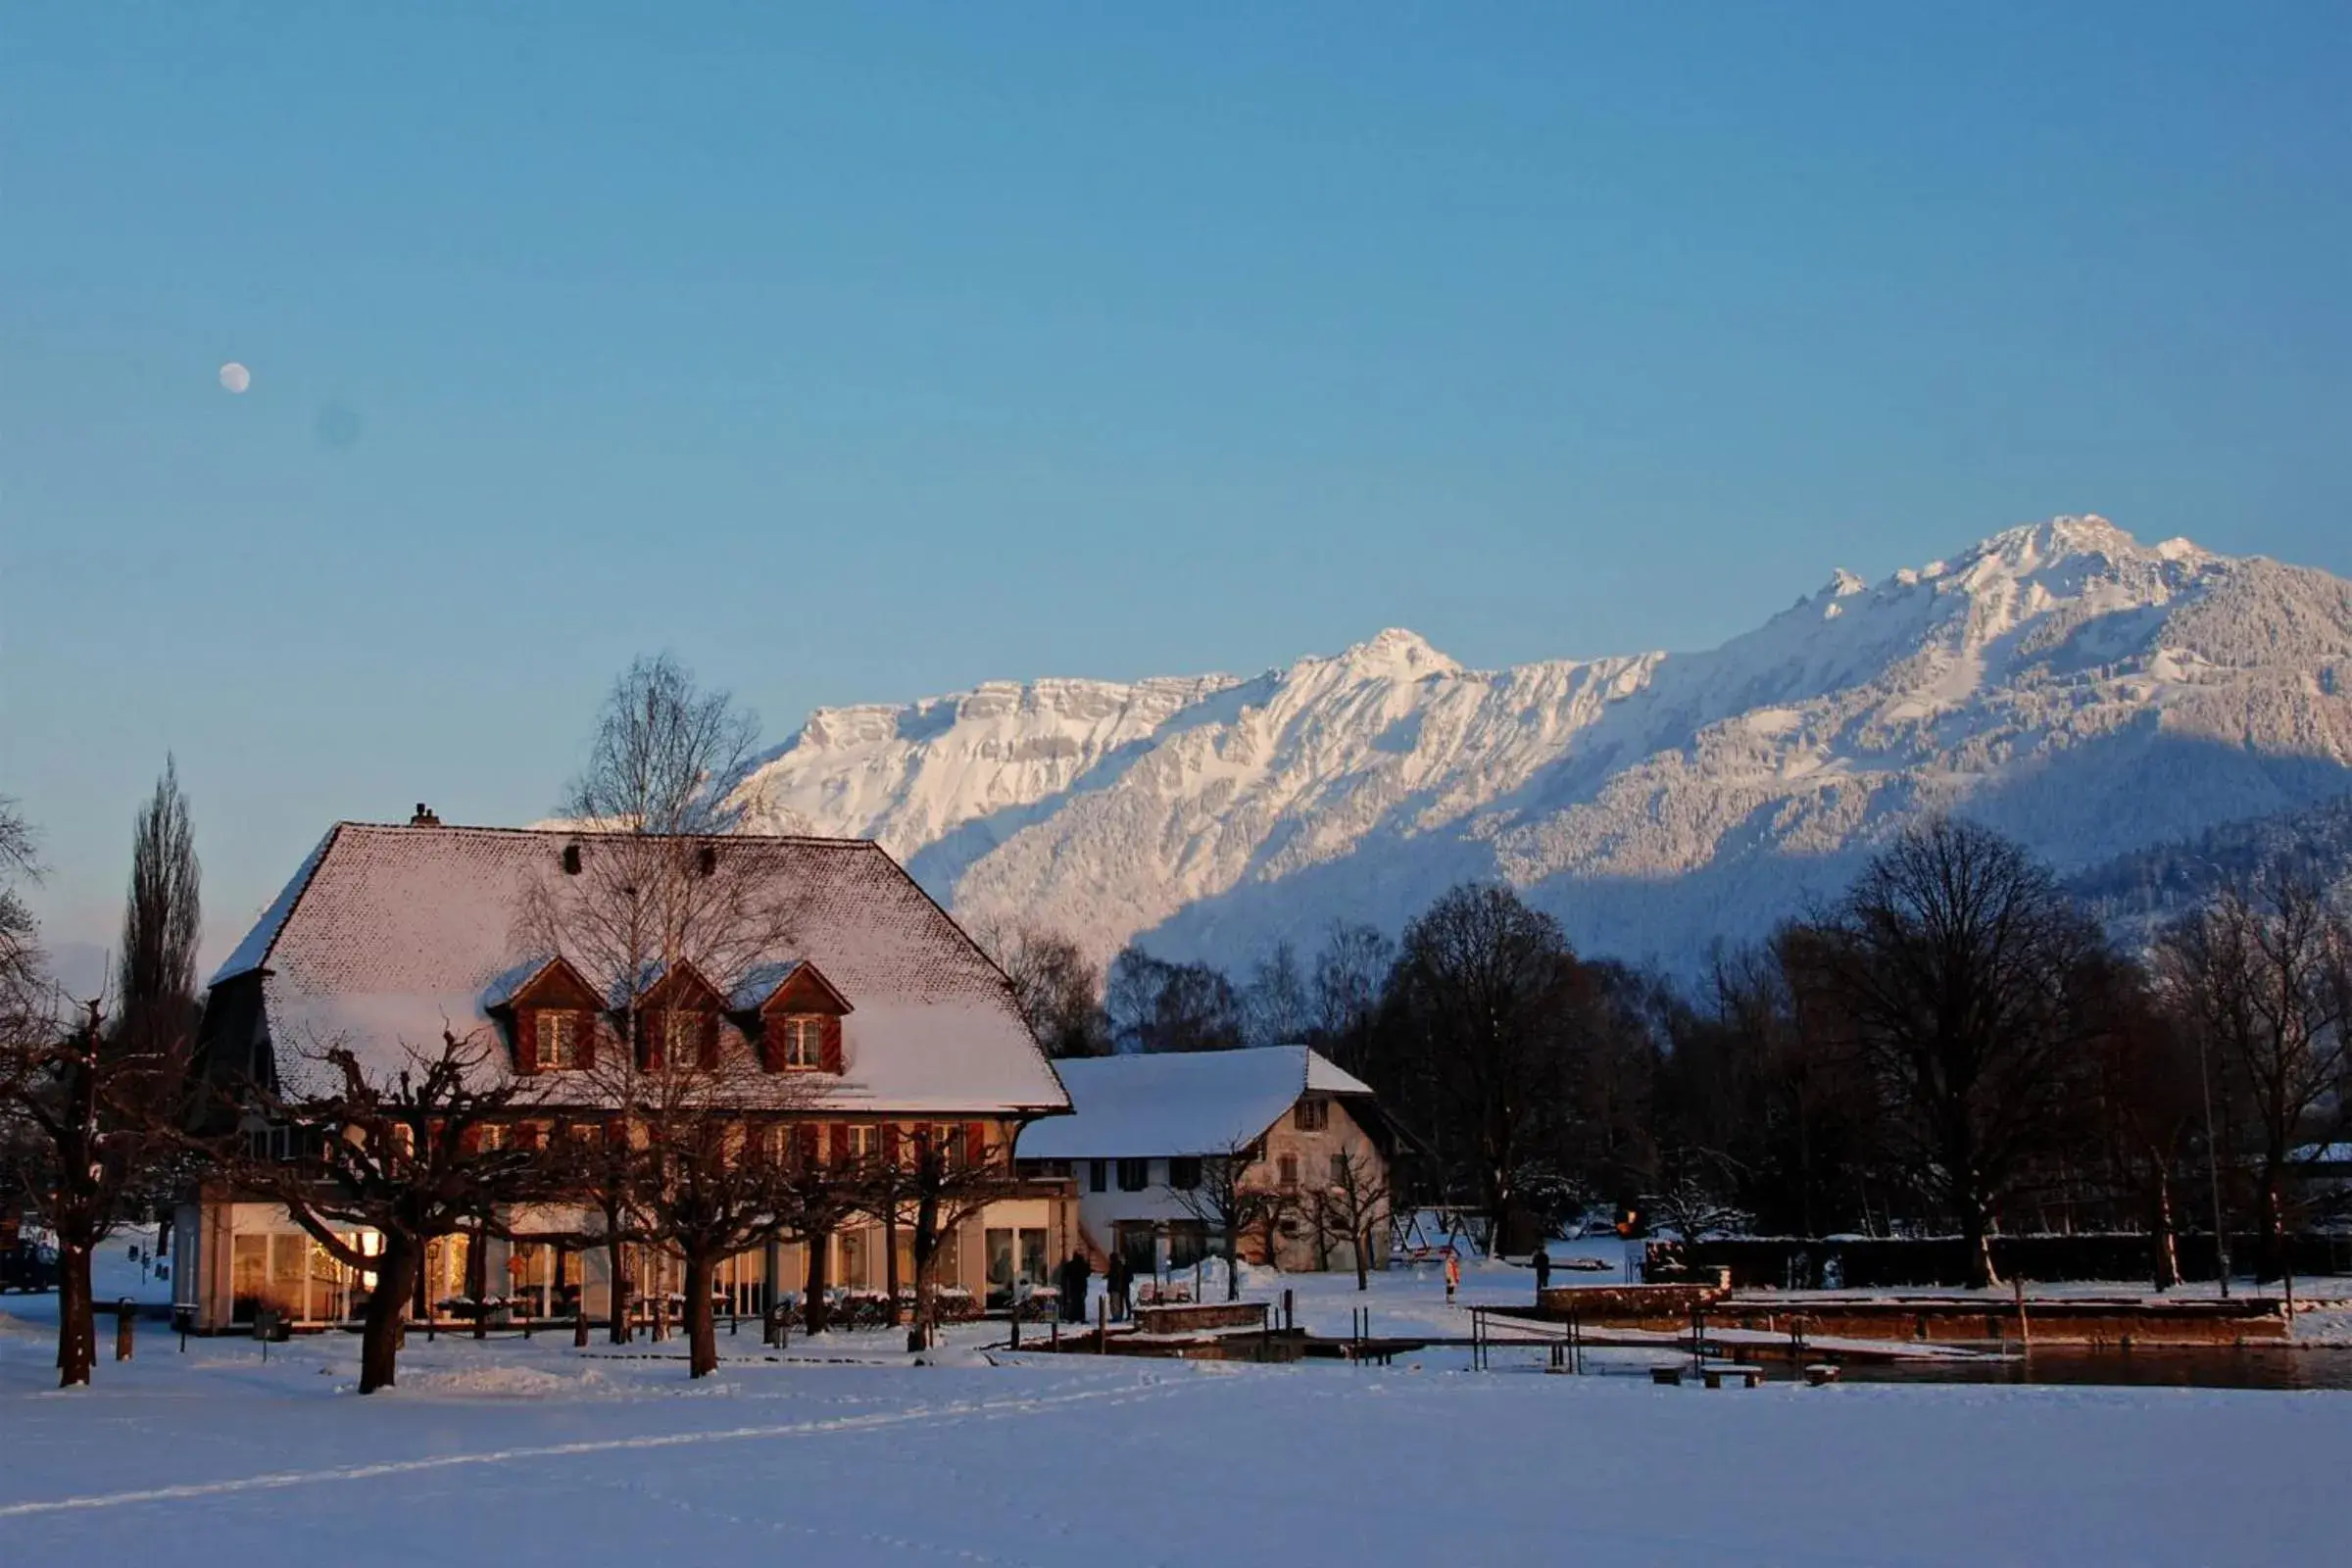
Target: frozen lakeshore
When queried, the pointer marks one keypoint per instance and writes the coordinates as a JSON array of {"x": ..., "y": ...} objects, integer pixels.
[{"x": 520, "y": 1452}]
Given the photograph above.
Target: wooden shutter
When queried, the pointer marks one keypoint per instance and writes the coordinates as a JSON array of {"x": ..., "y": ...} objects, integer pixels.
[
  {"x": 841, "y": 1143},
  {"x": 706, "y": 1041},
  {"x": 830, "y": 1031},
  {"x": 890, "y": 1143},
  {"x": 975, "y": 1144},
  {"x": 585, "y": 1054},
  {"x": 469, "y": 1141},
  {"x": 804, "y": 1143},
  {"x": 651, "y": 1028},
  {"x": 526, "y": 1041}
]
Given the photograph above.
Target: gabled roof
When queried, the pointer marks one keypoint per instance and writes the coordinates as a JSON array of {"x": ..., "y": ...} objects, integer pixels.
[
  {"x": 388, "y": 933},
  {"x": 662, "y": 981},
  {"x": 503, "y": 990},
  {"x": 760, "y": 986},
  {"x": 1181, "y": 1104}
]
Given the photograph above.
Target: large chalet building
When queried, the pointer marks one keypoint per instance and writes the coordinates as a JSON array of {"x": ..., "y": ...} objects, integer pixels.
[{"x": 871, "y": 1014}]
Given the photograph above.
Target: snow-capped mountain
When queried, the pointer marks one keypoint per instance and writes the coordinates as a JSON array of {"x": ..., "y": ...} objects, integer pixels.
[{"x": 2063, "y": 682}]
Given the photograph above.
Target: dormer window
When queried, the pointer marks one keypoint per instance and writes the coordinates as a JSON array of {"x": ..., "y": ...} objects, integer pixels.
[
  {"x": 559, "y": 1042},
  {"x": 801, "y": 1042},
  {"x": 795, "y": 1015}
]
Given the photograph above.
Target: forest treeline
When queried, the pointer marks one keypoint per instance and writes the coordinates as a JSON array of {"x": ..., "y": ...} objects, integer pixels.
[{"x": 1954, "y": 1046}]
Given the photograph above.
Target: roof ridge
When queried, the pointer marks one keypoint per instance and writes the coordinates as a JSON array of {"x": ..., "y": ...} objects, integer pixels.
[{"x": 405, "y": 829}]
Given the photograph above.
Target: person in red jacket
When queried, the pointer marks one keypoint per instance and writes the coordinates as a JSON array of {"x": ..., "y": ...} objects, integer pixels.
[{"x": 1453, "y": 1274}]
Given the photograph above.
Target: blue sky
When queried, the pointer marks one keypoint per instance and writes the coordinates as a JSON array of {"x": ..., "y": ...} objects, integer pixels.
[{"x": 863, "y": 352}]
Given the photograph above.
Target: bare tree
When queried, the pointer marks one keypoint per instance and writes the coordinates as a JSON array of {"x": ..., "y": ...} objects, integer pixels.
[
  {"x": 654, "y": 898},
  {"x": 1960, "y": 972},
  {"x": 717, "y": 1183},
  {"x": 1058, "y": 991},
  {"x": 2264, "y": 977},
  {"x": 604, "y": 1171},
  {"x": 425, "y": 1152},
  {"x": 949, "y": 1174},
  {"x": 27, "y": 1024},
  {"x": 1484, "y": 1020},
  {"x": 98, "y": 1107},
  {"x": 2146, "y": 1104},
  {"x": 1154, "y": 1006},
  {"x": 1357, "y": 1206},
  {"x": 1228, "y": 1203},
  {"x": 98, "y": 1121},
  {"x": 1691, "y": 1197},
  {"x": 664, "y": 755},
  {"x": 1277, "y": 1008},
  {"x": 1350, "y": 972},
  {"x": 22, "y": 1009},
  {"x": 818, "y": 1194}
]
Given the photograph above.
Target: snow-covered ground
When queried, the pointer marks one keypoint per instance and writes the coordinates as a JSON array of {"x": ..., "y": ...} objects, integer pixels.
[{"x": 520, "y": 1454}]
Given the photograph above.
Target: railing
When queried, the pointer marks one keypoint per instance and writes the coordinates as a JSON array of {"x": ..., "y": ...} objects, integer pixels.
[{"x": 1563, "y": 1344}]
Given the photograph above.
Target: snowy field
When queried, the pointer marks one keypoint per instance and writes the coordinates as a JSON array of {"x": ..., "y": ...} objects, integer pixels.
[{"x": 516, "y": 1453}]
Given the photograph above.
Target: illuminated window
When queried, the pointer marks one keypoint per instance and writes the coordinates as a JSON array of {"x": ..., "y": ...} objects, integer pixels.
[
  {"x": 803, "y": 1041},
  {"x": 560, "y": 1036}
]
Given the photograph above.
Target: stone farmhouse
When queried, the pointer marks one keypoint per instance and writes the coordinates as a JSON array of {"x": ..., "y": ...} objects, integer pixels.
[{"x": 1147, "y": 1129}]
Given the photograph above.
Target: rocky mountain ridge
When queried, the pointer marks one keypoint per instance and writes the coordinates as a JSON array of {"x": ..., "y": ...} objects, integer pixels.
[{"x": 2063, "y": 682}]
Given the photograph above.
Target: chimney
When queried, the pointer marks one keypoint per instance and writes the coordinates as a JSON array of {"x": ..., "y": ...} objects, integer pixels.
[{"x": 424, "y": 816}]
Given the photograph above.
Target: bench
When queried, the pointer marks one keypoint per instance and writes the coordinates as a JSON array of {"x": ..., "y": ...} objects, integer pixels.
[
  {"x": 1667, "y": 1377},
  {"x": 1818, "y": 1374},
  {"x": 1715, "y": 1373}
]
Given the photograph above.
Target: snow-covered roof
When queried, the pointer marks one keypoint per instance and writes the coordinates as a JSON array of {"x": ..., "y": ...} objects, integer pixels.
[
  {"x": 388, "y": 934},
  {"x": 1189, "y": 1103},
  {"x": 760, "y": 982}
]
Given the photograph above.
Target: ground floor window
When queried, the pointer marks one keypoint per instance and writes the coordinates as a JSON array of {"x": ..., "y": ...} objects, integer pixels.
[
  {"x": 1015, "y": 1254},
  {"x": 294, "y": 1276}
]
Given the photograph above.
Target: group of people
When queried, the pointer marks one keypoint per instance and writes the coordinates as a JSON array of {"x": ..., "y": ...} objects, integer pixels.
[{"x": 1072, "y": 1277}]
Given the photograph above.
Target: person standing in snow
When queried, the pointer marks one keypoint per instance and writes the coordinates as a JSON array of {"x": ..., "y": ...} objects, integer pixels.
[
  {"x": 1074, "y": 1275},
  {"x": 1453, "y": 1274},
  {"x": 1542, "y": 1262},
  {"x": 1119, "y": 1278}
]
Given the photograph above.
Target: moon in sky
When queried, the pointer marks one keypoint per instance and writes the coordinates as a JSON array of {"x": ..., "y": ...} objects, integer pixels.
[{"x": 234, "y": 378}]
